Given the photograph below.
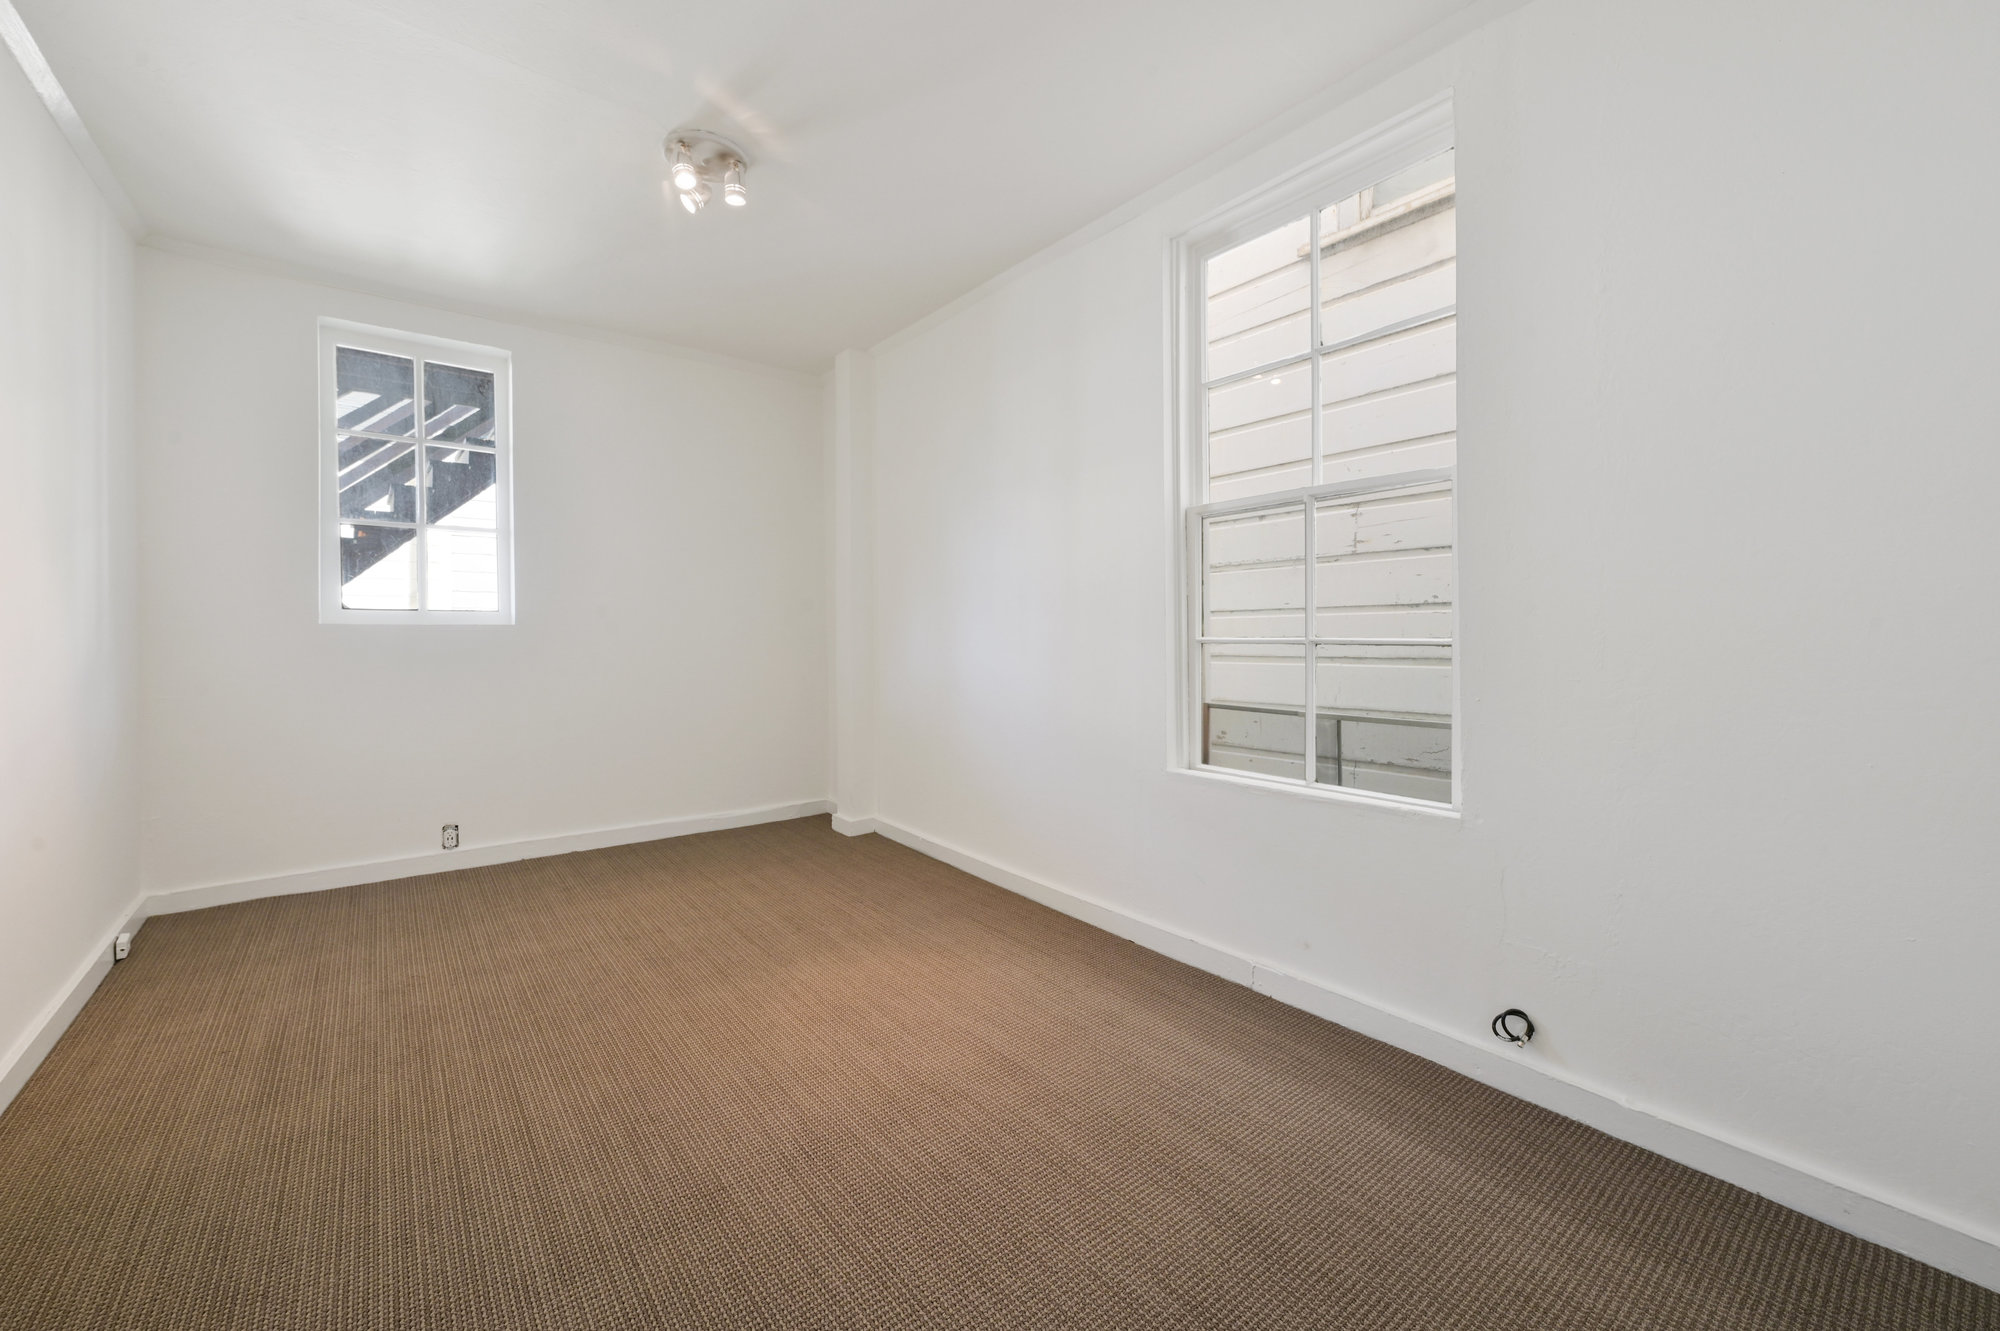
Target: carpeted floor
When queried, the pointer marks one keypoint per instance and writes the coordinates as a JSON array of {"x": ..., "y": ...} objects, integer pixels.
[{"x": 776, "y": 1077}]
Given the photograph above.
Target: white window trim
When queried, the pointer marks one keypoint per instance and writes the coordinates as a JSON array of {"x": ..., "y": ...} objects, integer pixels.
[
  {"x": 1422, "y": 132},
  {"x": 335, "y": 333}
]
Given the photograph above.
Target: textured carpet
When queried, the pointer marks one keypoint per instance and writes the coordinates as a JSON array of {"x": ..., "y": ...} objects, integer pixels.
[{"x": 776, "y": 1077}]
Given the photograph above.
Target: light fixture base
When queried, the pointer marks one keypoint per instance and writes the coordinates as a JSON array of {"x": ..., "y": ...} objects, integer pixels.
[{"x": 710, "y": 151}]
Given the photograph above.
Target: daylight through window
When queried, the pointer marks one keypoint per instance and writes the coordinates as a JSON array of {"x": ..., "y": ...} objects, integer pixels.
[
  {"x": 1320, "y": 536},
  {"x": 417, "y": 465}
]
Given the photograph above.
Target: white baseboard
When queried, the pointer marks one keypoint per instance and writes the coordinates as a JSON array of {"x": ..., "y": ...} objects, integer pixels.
[
  {"x": 20, "y": 1062},
  {"x": 1944, "y": 1243},
  {"x": 468, "y": 857}
]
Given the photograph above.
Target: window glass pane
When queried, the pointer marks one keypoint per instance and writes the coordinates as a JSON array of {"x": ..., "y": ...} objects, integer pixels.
[
  {"x": 1391, "y": 403},
  {"x": 1386, "y": 571},
  {"x": 462, "y": 492},
  {"x": 1386, "y": 683},
  {"x": 1258, "y": 301},
  {"x": 1254, "y": 575},
  {"x": 458, "y": 404},
  {"x": 375, "y": 392},
  {"x": 1253, "y": 708},
  {"x": 1260, "y": 433},
  {"x": 1385, "y": 565},
  {"x": 356, "y": 448},
  {"x": 379, "y": 484},
  {"x": 1425, "y": 354},
  {"x": 1410, "y": 758},
  {"x": 1388, "y": 253},
  {"x": 463, "y": 569},
  {"x": 378, "y": 569}
]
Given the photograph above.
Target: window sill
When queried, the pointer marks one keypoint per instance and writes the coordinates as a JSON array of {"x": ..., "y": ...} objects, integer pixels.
[
  {"x": 1324, "y": 794},
  {"x": 413, "y": 618}
]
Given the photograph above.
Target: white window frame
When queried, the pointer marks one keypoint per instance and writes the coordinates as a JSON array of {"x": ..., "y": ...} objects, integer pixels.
[
  {"x": 419, "y": 349},
  {"x": 1418, "y": 134}
]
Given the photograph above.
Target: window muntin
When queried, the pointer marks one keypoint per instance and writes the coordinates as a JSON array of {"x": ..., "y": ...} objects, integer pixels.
[
  {"x": 1325, "y": 361},
  {"x": 417, "y": 466}
]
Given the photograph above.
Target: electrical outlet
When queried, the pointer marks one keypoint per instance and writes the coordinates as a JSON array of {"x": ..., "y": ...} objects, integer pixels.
[
  {"x": 121, "y": 947},
  {"x": 451, "y": 836}
]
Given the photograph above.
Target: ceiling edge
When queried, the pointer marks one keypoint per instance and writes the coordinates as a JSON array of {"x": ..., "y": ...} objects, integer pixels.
[
  {"x": 1376, "y": 70},
  {"x": 338, "y": 281}
]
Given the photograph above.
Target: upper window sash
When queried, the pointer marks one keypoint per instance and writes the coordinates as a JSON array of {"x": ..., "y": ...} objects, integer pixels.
[{"x": 1287, "y": 300}]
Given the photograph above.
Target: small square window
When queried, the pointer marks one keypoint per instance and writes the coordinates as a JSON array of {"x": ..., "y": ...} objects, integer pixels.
[{"x": 416, "y": 465}]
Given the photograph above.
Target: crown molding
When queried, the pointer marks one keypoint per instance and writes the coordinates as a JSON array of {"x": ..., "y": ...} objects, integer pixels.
[{"x": 28, "y": 54}]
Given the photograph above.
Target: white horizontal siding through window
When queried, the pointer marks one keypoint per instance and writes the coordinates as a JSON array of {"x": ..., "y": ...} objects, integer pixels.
[{"x": 1324, "y": 359}]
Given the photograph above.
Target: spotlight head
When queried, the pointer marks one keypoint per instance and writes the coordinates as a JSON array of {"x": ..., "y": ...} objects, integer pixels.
[
  {"x": 686, "y": 176},
  {"x": 694, "y": 200},
  {"x": 733, "y": 192}
]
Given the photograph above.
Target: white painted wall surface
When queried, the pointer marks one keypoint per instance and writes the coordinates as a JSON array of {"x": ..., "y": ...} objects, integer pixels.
[
  {"x": 68, "y": 654},
  {"x": 850, "y": 594},
  {"x": 1728, "y": 466},
  {"x": 669, "y": 655}
]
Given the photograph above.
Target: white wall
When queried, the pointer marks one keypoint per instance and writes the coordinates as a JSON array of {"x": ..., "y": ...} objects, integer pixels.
[
  {"x": 68, "y": 751},
  {"x": 667, "y": 662},
  {"x": 849, "y": 593},
  {"x": 1727, "y": 471}
]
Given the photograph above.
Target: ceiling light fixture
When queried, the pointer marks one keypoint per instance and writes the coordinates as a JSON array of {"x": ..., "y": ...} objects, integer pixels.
[{"x": 702, "y": 162}]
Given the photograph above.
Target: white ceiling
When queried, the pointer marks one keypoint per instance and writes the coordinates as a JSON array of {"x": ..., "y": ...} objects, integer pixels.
[{"x": 507, "y": 152}]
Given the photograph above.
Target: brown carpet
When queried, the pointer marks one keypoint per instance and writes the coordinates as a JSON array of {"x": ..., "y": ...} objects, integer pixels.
[{"x": 775, "y": 1077}]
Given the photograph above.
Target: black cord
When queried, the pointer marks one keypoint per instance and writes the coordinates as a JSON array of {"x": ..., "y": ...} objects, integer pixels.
[{"x": 1505, "y": 1031}]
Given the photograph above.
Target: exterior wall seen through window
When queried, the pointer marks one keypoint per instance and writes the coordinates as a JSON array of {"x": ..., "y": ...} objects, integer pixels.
[{"x": 1321, "y": 532}]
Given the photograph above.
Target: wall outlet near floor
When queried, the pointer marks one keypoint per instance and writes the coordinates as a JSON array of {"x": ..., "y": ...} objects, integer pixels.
[
  {"x": 121, "y": 947},
  {"x": 451, "y": 836}
]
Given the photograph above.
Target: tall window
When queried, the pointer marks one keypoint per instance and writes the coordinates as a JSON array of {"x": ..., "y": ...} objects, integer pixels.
[
  {"x": 1319, "y": 421},
  {"x": 416, "y": 458}
]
